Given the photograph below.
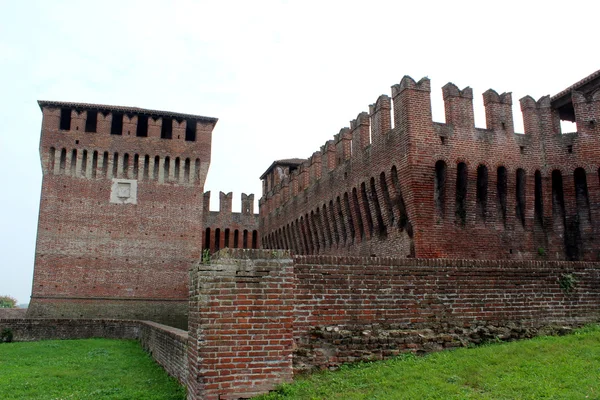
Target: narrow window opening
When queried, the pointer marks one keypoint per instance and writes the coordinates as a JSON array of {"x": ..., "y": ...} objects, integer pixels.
[
  {"x": 359, "y": 221},
  {"x": 146, "y": 167},
  {"x": 142, "y": 126},
  {"x": 84, "y": 159},
  {"x": 325, "y": 217},
  {"x": 367, "y": 208},
  {"x": 522, "y": 149},
  {"x": 399, "y": 200},
  {"x": 105, "y": 165},
  {"x": 443, "y": 139},
  {"x": 186, "y": 170},
  {"x": 520, "y": 189},
  {"x": 190, "y": 130},
  {"x": 303, "y": 229},
  {"x": 245, "y": 239},
  {"x": 570, "y": 149},
  {"x": 73, "y": 162},
  {"x": 126, "y": 166},
  {"x": 461, "y": 193},
  {"x": 167, "y": 169},
  {"x": 501, "y": 190},
  {"x": 349, "y": 218},
  {"x": 342, "y": 222},
  {"x": 207, "y": 239},
  {"x": 116, "y": 126},
  {"x": 439, "y": 187},
  {"x": 217, "y": 239},
  {"x": 255, "y": 239},
  {"x": 115, "y": 166},
  {"x": 197, "y": 169},
  {"x": 156, "y": 167},
  {"x": 136, "y": 168},
  {"x": 503, "y": 126},
  {"x": 538, "y": 204},
  {"x": 94, "y": 164},
  {"x": 63, "y": 161},
  {"x": 91, "y": 121},
  {"x": 177, "y": 167},
  {"x": 381, "y": 227},
  {"x": 166, "y": 130},
  {"x": 334, "y": 227},
  {"x": 309, "y": 231},
  {"x": 51, "y": 161},
  {"x": 65, "y": 119},
  {"x": 226, "y": 240},
  {"x": 581, "y": 196},
  {"x": 482, "y": 191},
  {"x": 316, "y": 232},
  {"x": 236, "y": 239}
]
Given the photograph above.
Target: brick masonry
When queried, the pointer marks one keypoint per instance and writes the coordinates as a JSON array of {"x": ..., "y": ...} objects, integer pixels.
[
  {"x": 228, "y": 229},
  {"x": 120, "y": 213},
  {"x": 420, "y": 188},
  {"x": 241, "y": 313},
  {"x": 253, "y": 312}
]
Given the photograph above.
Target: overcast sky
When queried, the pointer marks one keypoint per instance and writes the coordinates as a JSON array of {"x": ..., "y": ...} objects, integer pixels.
[{"x": 282, "y": 76}]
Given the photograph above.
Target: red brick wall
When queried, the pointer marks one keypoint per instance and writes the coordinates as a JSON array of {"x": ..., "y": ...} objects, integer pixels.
[
  {"x": 398, "y": 216},
  {"x": 241, "y": 312},
  {"x": 96, "y": 258},
  {"x": 228, "y": 229},
  {"x": 350, "y": 308}
]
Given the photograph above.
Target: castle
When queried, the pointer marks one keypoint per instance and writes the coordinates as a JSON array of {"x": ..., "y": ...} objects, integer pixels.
[
  {"x": 425, "y": 189},
  {"x": 412, "y": 237},
  {"x": 123, "y": 214}
]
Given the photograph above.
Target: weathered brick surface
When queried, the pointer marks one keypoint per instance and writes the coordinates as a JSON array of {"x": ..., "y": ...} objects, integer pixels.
[
  {"x": 374, "y": 189},
  {"x": 351, "y": 308},
  {"x": 167, "y": 345},
  {"x": 228, "y": 229},
  {"x": 109, "y": 251},
  {"x": 241, "y": 316},
  {"x": 13, "y": 312}
]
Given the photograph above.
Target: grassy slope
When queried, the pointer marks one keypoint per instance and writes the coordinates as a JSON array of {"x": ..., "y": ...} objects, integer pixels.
[
  {"x": 565, "y": 367},
  {"x": 82, "y": 369}
]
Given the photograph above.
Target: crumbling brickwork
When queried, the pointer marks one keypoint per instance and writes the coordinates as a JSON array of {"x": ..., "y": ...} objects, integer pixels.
[
  {"x": 120, "y": 213},
  {"x": 419, "y": 188}
]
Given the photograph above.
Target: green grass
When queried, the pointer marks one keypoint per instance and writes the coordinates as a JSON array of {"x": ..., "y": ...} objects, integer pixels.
[
  {"x": 83, "y": 369},
  {"x": 566, "y": 367}
]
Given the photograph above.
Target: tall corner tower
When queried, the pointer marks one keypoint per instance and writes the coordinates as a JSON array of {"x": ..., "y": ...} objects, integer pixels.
[{"x": 121, "y": 211}]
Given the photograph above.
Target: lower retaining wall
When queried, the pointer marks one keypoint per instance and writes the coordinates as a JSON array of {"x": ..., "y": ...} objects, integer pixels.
[{"x": 167, "y": 345}]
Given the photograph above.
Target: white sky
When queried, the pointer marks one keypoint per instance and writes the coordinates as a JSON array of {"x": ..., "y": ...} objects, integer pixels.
[{"x": 282, "y": 76}]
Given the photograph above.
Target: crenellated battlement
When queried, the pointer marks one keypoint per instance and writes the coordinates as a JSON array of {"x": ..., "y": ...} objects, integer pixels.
[
  {"x": 123, "y": 121},
  {"x": 396, "y": 160},
  {"x": 92, "y": 141},
  {"x": 225, "y": 228}
]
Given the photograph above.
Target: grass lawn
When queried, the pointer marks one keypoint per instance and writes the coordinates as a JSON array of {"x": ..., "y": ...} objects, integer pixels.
[
  {"x": 566, "y": 367},
  {"x": 83, "y": 369}
]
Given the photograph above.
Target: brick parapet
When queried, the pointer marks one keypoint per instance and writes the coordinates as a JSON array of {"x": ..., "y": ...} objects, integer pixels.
[
  {"x": 414, "y": 145},
  {"x": 241, "y": 332}
]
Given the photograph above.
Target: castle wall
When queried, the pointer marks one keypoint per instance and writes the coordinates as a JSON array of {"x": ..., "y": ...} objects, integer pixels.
[
  {"x": 254, "y": 311},
  {"x": 120, "y": 213},
  {"x": 425, "y": 189},
  {"x": 228, "y": 229}
]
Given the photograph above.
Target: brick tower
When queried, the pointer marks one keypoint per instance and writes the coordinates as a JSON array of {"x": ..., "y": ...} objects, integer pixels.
[{"x": 120, "y": 213}]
